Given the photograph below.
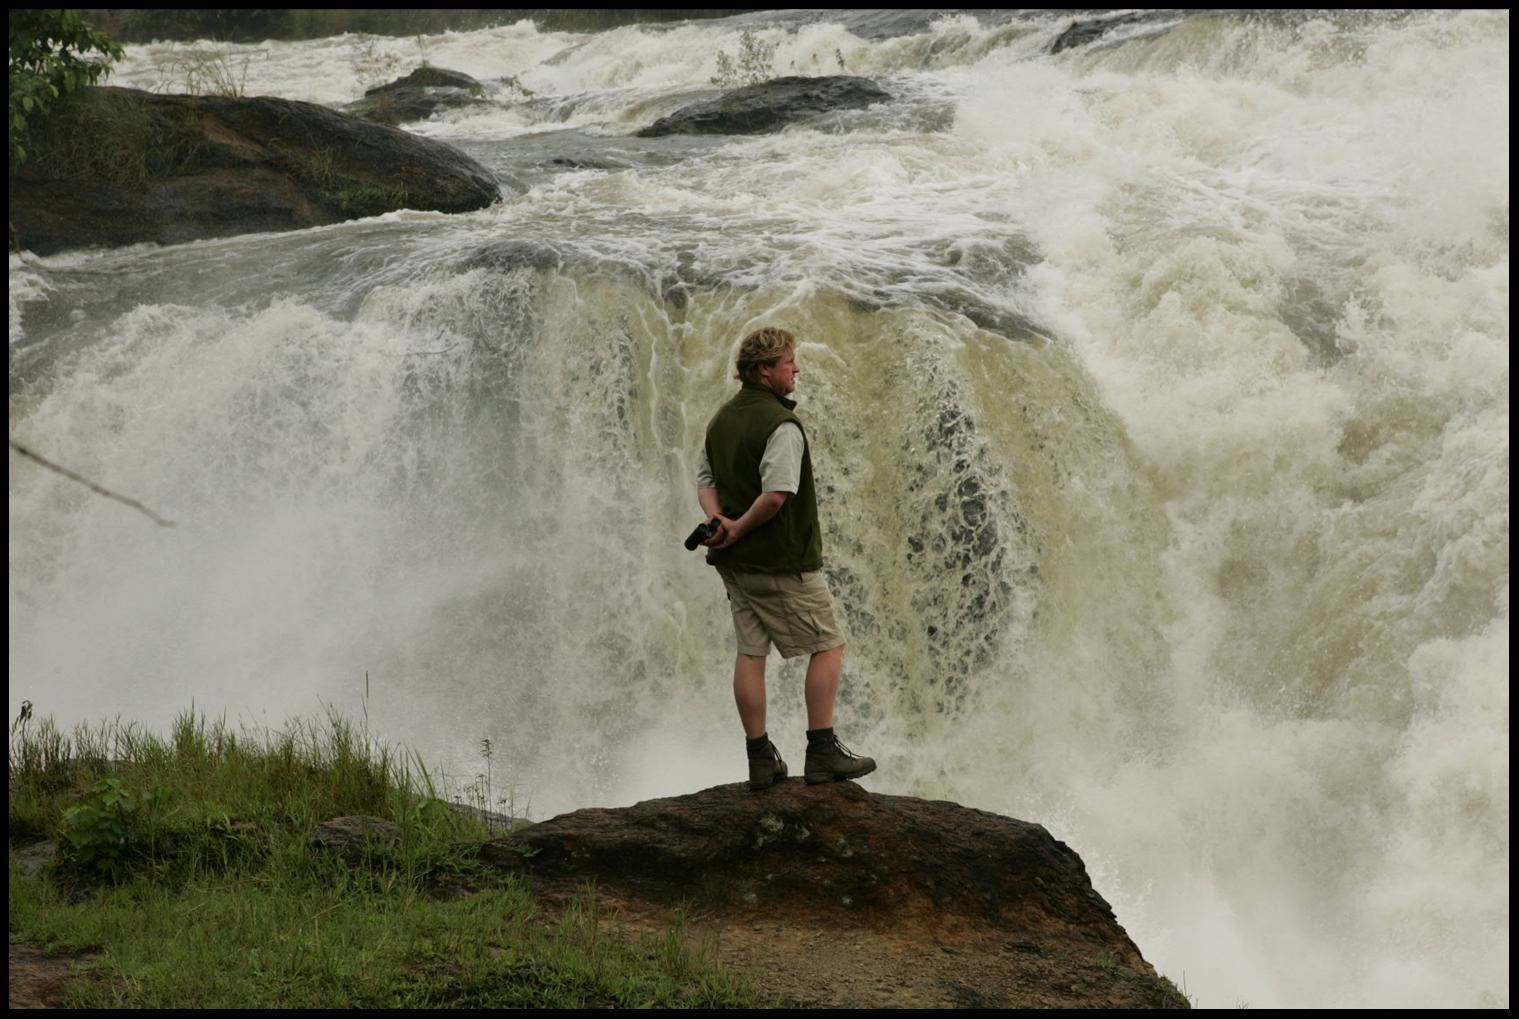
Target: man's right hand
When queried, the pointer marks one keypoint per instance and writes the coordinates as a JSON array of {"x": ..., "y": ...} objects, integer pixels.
[
  {"x": 726, "y": 534},
  {"x": 761, "y": 512}
]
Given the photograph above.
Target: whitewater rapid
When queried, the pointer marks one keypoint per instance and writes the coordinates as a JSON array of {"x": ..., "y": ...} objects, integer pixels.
[{"x": 1159, "y": 395}]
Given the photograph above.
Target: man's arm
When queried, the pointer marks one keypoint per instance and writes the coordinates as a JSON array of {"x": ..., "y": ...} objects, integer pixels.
[
  {"x": 761, "y": 511},
  {"x": 710, "y": 503},
  {"x": 780, "y": 473},
  {"x": 706, "y": 494}
]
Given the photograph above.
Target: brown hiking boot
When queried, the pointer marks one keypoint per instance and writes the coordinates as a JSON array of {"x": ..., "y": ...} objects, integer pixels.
[
  {"x": 836, "y": 764},
  {"x": 766, "y": 771}
]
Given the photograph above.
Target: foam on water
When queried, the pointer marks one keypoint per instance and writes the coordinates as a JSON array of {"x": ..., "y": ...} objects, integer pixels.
[
  {"x": 1159, "y": 398},
  {"x": 1308, "y": 343}
]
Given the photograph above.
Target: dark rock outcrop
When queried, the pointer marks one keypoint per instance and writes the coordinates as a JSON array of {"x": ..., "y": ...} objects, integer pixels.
[
  {"x": 1082, "y": 32},
  {"x": 417, "y": 96},
  {"x": 430, "y": 77},
  {"x": 995, "y": 907},
  {"x": 350, "y": 838},
  {"x": 33, "y": 858},
  {"x": 116, "y": 166},
  {"x": 836, "y": 849},
  {"x": 768, "y": 106}
]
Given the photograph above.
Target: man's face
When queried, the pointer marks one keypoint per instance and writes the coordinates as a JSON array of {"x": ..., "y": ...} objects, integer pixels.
[{"x": 781, "y": 376}]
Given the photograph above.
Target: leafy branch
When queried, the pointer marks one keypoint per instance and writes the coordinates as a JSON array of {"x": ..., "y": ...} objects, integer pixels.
[
  {"x": 47, "y": 61},
  {"x": 753, "y": 64}
]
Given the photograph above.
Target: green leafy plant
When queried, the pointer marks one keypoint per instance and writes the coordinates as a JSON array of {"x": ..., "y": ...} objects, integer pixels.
[
  {"x": 753, "y": 64},
  {"x": 49, "y": 58},
  {"x": 112, "y": 828},
  {"x": 429, "y": 812}
]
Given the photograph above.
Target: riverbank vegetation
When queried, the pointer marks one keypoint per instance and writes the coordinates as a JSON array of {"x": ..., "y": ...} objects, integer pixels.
[
  {"x": 53, "y": 53},
  {"x": 186, "y": 875}
]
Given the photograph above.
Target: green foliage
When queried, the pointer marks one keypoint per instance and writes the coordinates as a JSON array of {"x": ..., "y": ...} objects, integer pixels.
[
  {"x": 216, "y": 898},
  {"x": 49, "y": 58},
  {"x": 113, "y": 828},
  {"x": 320, "y": 166},
  {"x": 115, "y": 136},
  {"x": 227, "y": 786},
  {"x": 428, "y": 813},
  {"x": 753, "y": 64},
  {"x": 1175, "y": 997}
]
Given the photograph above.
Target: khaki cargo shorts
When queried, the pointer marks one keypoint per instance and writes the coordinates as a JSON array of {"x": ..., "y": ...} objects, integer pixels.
[{"x": 794, "y": 610}]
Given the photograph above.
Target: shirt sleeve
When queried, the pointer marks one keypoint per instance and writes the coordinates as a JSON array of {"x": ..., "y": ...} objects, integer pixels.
[
  {"x": 781, "y": 466},
  {"x": 704, "y": 478}
]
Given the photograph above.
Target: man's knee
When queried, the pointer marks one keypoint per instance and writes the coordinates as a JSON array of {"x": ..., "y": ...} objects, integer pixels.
[
  {"x": 749, "y": 668},
  {"x": 829, "y": 655}
]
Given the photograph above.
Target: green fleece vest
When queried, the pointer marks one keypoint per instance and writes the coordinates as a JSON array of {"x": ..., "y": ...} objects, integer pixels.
[{"x": 791, "y": 541}]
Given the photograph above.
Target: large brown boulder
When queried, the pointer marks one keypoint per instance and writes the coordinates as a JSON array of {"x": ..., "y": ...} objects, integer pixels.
[
  {"x": 948, "y": 904},
  {"x": 114, "y": 166},
  {"x": 1082, "y": 32}
]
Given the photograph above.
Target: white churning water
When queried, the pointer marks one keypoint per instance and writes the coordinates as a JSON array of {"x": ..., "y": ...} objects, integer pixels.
[{"x": 1159, "y": 398}]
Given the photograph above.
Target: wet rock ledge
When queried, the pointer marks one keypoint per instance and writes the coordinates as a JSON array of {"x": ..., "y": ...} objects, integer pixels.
[
  {"x": 769, "y": 106},
  {"x": 948, "y": 905},
  {"x": 115, "y": 166}
]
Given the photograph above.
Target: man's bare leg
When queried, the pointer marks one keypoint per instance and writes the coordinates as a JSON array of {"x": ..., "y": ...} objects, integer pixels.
[
  {"x": 823, "y": 673},
  {"x": 749, "y": 693},
  {"x": 828, "y": 760}
]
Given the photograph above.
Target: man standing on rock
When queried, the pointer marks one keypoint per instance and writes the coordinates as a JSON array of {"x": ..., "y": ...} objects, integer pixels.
[{"x": 755, "y": 482}]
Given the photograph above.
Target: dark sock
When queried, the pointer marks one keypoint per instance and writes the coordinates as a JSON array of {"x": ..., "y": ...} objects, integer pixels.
[
  {"x": 759, "y": 746},
  {"x": 819, "y": 741}
]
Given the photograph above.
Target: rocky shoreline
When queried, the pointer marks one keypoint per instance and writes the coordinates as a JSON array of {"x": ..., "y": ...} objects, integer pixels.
[{"x": 827, "y": 896}]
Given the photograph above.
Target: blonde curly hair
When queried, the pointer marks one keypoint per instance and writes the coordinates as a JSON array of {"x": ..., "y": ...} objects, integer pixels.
[{"x": 761, "y": 347}]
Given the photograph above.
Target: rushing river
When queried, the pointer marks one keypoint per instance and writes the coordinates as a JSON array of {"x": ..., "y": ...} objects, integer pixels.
[{"x": 1159, "y": 398}]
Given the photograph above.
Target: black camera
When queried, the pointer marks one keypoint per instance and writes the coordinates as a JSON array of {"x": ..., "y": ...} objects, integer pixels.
[{"x": 702, "y": 533}]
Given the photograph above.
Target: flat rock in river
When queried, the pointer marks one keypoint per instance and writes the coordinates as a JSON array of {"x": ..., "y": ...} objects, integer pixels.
[
  {"x": 768, "y": 106},
  {"x": 418, "y": 96}
]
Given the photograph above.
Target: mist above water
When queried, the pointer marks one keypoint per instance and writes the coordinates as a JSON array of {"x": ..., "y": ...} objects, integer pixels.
[{"x": 1159, "y": 400}]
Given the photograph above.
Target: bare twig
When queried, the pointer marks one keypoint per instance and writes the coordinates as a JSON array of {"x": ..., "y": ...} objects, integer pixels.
[{"x": 160, "y": 521}]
